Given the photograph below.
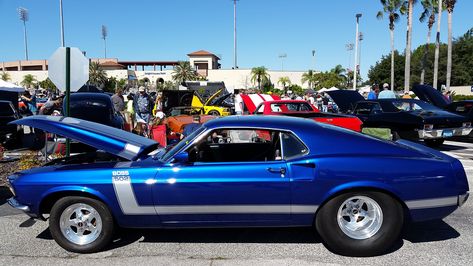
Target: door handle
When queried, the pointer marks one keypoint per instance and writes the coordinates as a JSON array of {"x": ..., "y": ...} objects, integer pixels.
[{"x": 280, "y": 170}]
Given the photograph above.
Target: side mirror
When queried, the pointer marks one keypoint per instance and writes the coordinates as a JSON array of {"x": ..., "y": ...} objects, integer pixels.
[{"x": 182, "y": 157}]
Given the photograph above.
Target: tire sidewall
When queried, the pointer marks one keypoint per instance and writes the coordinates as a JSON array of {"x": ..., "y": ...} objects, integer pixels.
[
  {"x": 103, "y": 239},
  {"x": 337, "y": 241}
]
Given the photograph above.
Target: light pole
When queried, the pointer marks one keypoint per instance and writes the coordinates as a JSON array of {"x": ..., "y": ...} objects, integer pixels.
[
  {"x": 349, "y": 47},
  {"x": 61, "y": 19},
  {"x": 313, "y": 57},
  {"x": 104, "y": 37},
  {"x": 235, "y": 65},
  {"x": 355, "y": 70},
  {"x": 282, "y": 56},
  {"x": 23, "y": 13}
]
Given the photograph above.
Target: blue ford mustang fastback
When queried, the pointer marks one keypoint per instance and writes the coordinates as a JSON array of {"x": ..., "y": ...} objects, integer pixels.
[{"x": 239, "y": 171}]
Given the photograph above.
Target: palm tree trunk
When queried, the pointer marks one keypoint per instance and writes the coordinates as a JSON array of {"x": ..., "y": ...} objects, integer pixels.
[
  {"x": 424, "y": 58},
  {"x": 449, "y": 51},
  {"x": 437, "y": 46},
  {"x": 392, "y": 58},
  {"x": 407, "y": 67}
]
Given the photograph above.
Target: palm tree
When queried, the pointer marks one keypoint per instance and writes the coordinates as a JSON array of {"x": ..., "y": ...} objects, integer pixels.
[
  {"x": 392, "y": 8},
  {"x": 28, "y": 81},
  {"x": 97, "y": 75},
  {"x": 339, "y": 71},
  {"x": 183, "y": 71},
  {"x": 437, "y": 43},
  {"x": 259, "y": 75},
  {"x": 284, "y": 81},
  {"x": 450, "y": 6},
  {"x": 309, "y": 77},
  {"x": 430, "y": 7},
  {"x": 407, "y": 67},
  {"x": 5, "y": 76}
]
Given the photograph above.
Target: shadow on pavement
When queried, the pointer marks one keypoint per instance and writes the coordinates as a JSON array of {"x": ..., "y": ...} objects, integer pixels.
[{"x": 431, "y": 231}]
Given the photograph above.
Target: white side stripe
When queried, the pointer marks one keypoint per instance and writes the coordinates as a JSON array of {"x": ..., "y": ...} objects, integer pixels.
[
  {"x": 129, "y": 205},
  {"x": 126, "y": 197},
  {"x": 432, "y": 203}
]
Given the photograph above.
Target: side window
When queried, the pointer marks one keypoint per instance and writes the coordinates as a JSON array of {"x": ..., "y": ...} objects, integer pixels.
[
  {"x": 260, "y": 109},
  {"x": 292, "y": 146},
  {"x": 237, "y": 145}
]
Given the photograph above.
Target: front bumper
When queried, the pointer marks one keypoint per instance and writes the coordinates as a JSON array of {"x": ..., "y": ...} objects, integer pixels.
[
  {"x": 444, "y": 133},
  {"x": 15, "y": 204},
  {"x": 463, "y": 198}
]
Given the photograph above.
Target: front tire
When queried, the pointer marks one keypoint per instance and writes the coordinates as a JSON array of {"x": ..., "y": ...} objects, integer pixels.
[
  {"x": 360, "y": 223},
  {"x": 81, "y": 224},
  {"x": 214, "y": 113}
]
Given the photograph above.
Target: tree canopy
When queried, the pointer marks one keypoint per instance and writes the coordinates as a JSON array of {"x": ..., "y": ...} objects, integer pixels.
[{"x": 462, "y": 67}]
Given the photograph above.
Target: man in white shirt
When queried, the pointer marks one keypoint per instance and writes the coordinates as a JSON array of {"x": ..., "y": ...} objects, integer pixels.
[
  {"x": 238, "y": 101},
  {"x": 386, "y": 93}
]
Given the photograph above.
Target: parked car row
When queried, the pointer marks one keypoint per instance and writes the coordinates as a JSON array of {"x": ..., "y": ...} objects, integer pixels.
[{"x": 406, "y": 118}]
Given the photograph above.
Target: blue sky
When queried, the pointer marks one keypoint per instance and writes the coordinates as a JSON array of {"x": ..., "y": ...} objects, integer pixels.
[{"x": 169, "y": 30}]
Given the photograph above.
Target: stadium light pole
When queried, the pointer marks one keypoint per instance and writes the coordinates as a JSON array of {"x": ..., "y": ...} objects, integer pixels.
[
  {"x": 282, "y": 56},
  {"x": 104, "y": 37},
  {"x": 23, "y": 13},
  {"x": 355, "y": 70},
  {"x": 235, "y": 62},
  {"x": 61, "y": 19}
]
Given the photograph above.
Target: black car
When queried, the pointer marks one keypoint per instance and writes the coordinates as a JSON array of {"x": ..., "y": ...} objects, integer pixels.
[
  {"x": 96, "y": 107},
  {"x": 433, "y": 96},
  {"x": 10, "y": 135},
  {"x": 407, "y": 118}
]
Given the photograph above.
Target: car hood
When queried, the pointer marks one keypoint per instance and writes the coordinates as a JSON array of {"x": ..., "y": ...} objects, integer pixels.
[
  {"x": 345, "y": 99},
  {"x": 212, "y": 97},
  {"x": 219, "y": 100},
  {"x": 429, "y": 94},
  {"x": 112, "y": 140}
]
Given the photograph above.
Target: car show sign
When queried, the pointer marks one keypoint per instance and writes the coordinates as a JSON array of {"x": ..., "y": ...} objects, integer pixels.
[{"x": 78, "y": 66}]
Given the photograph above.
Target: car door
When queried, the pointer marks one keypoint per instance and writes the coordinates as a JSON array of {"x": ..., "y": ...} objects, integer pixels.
[{"x": 230, "y": 182}]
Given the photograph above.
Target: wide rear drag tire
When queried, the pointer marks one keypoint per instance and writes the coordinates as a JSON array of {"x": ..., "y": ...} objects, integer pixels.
[{"x": 360, "y": 223}]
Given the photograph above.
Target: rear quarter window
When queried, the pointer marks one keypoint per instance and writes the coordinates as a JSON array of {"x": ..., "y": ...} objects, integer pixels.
[{"x": 292, "y": 146}]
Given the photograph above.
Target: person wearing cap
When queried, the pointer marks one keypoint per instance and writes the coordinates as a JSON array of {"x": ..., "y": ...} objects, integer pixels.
[
  {"x": 386, "y": 93},
  {"x": 189, "y": 128},
  {"x": 142, "y": 105}
]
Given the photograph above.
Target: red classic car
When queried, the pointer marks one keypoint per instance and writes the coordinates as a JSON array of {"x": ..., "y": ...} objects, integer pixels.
[{"x": 300, "y": 108}]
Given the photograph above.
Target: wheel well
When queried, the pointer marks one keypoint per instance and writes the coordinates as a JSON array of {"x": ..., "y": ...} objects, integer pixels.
[
  {"x": 48, "y": 202},
  {"x": 407, "y": 215}
]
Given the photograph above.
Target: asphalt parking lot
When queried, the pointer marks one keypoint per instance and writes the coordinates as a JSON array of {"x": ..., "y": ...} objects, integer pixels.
[{"x": 432, "y": 243}]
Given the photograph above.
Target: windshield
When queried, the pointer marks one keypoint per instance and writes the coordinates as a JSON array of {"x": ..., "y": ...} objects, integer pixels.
[
  {"x": 167, "y": 154},
  {"x": 414, "y": 106}
]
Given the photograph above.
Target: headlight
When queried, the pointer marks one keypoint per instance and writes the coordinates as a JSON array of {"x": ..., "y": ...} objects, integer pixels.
[
  {"x": 467, "y": 124},
  {"x": 428, "y": 127}
]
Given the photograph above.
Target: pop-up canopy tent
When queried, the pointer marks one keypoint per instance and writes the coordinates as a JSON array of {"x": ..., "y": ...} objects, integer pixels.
[
  {"x": 9, "y": 92},
  {"x": 7, "y": 86}
]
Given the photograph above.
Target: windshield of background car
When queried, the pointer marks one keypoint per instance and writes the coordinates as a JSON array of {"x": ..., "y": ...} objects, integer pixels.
[
  {"x": 6, "y": 109},
  {"x": 166, "y": 156},
  {"x": 413, "y": 106},
  {"x": 290, "y": 107},
  {"x": 366, "y": 108}
]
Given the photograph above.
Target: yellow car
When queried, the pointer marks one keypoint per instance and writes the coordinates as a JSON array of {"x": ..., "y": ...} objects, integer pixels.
[{"x": 214, "y": 109}]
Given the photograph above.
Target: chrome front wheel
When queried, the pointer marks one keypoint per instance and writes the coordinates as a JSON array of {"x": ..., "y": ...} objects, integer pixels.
[{"x": 81, "y": 224}]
